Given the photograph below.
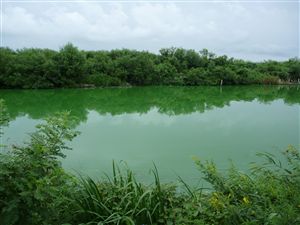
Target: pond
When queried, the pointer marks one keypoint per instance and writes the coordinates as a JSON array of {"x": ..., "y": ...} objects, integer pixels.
[{"x": 167, "y": 126}]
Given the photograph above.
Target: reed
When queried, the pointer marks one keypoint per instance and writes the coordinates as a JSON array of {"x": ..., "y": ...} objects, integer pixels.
[{"x": 121, "y": 199}]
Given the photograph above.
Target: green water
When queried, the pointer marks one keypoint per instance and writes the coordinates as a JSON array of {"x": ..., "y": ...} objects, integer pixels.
[{"x": 164, "y": 125}]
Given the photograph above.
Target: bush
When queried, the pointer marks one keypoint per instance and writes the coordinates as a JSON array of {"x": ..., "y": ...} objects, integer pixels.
[
  {"x": 4, "y": 117},
  {"x": 34, "y": 189},
  {"x": 270, "y": 195}
]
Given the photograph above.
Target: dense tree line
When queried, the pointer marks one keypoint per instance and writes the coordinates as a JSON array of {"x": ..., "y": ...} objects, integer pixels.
[{"x": 71, "y": 67}]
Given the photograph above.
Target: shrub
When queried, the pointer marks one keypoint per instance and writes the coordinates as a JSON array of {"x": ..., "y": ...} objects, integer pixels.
[
  {"x": 4, "y": 116},
  {"x": 270, "y": 195},
  {"x": 34, "y": 189}
]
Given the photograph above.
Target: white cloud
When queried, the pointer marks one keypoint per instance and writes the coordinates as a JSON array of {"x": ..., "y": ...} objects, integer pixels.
[{"x": 253, "y": 31}]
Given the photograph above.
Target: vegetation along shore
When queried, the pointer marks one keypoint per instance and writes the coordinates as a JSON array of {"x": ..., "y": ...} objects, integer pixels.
[{"x": 71, "y": 67}]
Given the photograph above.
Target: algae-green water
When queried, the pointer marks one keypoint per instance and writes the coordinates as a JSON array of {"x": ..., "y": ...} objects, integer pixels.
[{"x": 167, "y": 126}]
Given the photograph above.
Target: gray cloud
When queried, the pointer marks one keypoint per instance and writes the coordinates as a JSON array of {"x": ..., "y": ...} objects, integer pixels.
[{"x": 255, "y": 31}]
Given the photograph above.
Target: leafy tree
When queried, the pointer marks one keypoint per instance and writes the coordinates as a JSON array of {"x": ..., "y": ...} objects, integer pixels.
[
  {"x": 273, "y": 68},
  {"x": 196, "y": 76},
  {"x": 70, "y": 63},
  {"x": 6, "y": 65},
  {"x": 294, "y": 69},
  {"x": 164, "y": 73}
]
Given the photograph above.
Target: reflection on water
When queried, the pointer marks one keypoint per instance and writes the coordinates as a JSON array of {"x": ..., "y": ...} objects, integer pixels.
[{"x": 165, "y": 125}]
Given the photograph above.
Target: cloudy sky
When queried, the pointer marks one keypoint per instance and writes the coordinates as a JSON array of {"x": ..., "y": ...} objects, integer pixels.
[{"x": 253, "y": 30}]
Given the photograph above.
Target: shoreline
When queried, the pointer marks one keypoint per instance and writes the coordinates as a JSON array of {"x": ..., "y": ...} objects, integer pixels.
[{"x": 140, "y": 86}]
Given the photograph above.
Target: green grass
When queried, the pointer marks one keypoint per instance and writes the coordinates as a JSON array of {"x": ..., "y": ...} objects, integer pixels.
[
  {"x": 270, "y": 195},
  {"x": 121, "y": 199}
]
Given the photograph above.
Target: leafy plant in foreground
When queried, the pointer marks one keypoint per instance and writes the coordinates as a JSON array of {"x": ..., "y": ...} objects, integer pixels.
[
  {"x": 4, "y": 116},
  {"x": 270, "y": 195},
  {"x": 34, "y": 189}
]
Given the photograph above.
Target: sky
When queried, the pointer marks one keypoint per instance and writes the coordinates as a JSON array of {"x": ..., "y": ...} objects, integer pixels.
[{"x": 251, "y": 30}]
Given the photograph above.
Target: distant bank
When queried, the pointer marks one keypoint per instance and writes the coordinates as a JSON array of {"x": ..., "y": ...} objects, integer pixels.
[{"x": 71, "y": 67}]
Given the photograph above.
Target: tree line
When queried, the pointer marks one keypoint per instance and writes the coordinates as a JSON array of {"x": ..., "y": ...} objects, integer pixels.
[{"x": 71, "y": 67}]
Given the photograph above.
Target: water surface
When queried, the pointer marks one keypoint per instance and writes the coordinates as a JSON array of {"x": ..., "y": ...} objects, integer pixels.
[{"x": 164, "y": 125}]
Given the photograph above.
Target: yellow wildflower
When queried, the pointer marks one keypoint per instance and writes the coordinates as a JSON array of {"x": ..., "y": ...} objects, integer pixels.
[
  {"x": 216, "y": 201},
  {"x": 246, "y": 200}
]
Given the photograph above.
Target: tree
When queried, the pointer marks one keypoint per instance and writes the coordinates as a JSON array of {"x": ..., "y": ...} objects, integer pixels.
[
  {"x": 7, "y": 57},
  {"x": 294, "y": 69},
  {"x": 196, "y": 76},
  {"x": 70, "y": 67},
  {"x": 165, "y": 73},
  {"x": 70, "y": 62}
]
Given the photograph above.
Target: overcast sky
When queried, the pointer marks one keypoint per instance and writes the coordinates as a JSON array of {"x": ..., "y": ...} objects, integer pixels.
[{"x": 249, "y": 30}]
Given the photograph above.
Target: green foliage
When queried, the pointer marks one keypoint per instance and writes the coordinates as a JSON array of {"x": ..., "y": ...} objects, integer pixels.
[
  {"x": 4, "y": 116},
  {"x": 122, "y": 200},
  {"x": 70, "y": 67},
  {"x": 270, "y": 195},
  {"x": 34, "y": 189},
  {"x": 165, "y": 74},
  {"x": 294, "y": 69},
  {"x": 70, "y": 62},
  {"x": 103, "y": 80}
]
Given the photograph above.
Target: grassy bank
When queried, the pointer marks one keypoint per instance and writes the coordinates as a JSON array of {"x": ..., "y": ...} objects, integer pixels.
[{"x": 34, "y": 188}]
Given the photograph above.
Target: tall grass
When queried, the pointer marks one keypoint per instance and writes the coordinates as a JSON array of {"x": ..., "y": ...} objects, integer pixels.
[
  {"x": 270, "y": 195},
  {"x": 121, "y": 199}
]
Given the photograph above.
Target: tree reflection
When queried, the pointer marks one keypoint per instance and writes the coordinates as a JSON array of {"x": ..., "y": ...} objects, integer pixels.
[{"x": 168, "y": 100}]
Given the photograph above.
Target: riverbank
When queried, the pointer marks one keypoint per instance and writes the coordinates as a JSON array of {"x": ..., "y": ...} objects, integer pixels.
[
  {"x": 92, "y": 86},
  {"x": 71, "y": 67}
]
